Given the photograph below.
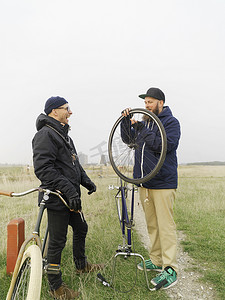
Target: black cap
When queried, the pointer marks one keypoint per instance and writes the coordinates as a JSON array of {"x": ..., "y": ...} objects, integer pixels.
[{"x": 154, "y": 93}]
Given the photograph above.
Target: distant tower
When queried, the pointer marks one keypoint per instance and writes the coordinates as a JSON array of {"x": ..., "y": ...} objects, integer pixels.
[
  {"x": 83, "y": 158},
  {"x": 103, "y": 160}
]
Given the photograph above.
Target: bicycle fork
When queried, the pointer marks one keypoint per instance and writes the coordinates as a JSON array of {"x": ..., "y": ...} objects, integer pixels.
[{"x": 126, "y": 250}]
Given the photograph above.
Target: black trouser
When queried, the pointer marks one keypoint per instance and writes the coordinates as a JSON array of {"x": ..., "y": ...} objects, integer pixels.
[{"x": 58, "y": 222}]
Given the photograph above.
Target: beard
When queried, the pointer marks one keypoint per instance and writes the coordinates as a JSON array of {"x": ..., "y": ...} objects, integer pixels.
[{"x": 154, "y": 111}]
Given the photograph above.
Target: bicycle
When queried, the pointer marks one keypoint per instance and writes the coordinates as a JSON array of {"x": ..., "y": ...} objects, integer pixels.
[
  {"x": 124, "y": 140},
  {"x": 31, "y": 261}
]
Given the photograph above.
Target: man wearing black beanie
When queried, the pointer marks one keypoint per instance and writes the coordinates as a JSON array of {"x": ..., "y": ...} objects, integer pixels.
[{"x": 57, "y": 166}]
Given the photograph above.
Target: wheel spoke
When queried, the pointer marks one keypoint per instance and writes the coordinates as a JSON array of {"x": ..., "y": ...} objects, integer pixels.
[{"x": 22, "y": 281}]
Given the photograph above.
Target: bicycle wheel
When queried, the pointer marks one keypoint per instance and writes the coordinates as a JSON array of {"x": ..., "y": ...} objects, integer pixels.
[
  {"x": 29, "y": 277},
  {"x": 126, "y": 142}
]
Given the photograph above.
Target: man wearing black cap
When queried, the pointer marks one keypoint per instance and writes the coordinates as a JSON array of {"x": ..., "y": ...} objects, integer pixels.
[
  {"x": 57, "y": 167},
  {"x": 158, "y": 194}
]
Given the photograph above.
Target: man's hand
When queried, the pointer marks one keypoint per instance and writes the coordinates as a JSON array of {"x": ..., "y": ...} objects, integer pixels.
[
  {"x": 92, "y": 188},
  {"x": 137, "y": 125},
  {"x": 126, "y": 113},
  {"x": 75, "y": 203},
  {"x": 89, "y": 185}
]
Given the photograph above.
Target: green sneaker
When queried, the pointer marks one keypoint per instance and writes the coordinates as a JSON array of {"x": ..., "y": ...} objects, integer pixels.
[
  {"x": 149, "y": 266},
  {"x": 166, "y": 279}
]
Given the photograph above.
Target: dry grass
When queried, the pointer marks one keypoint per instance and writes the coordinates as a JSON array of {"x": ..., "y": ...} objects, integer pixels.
[
  {"x": 17, "y": 180},
  {"x": 103, "y": 238},
  {"x": 195, "y": 171},
  {"x": 199, "y": 211}
]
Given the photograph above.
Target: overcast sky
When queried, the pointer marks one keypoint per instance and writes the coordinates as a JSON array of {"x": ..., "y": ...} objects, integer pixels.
[{"x": 100, "y": 55}]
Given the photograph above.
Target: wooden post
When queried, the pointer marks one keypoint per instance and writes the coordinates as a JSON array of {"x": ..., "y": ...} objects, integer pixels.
[{"x": 15, "y": 238}]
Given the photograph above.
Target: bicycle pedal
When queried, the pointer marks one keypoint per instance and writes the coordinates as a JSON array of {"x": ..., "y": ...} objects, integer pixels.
[{"x": 52, "y": 269}]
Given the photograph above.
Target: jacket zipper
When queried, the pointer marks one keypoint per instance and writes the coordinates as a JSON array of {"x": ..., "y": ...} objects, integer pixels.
[{"x": 142, "y": 154}]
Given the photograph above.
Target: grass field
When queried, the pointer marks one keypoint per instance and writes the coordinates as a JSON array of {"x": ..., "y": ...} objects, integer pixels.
[{"x": 199, "y": 212}]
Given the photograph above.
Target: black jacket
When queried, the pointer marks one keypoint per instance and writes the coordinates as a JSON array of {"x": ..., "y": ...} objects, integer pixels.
[{"x": 54, "y": 165}]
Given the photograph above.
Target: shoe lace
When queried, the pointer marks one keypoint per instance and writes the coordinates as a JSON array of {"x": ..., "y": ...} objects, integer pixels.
[{"x": 164, "y": 275}]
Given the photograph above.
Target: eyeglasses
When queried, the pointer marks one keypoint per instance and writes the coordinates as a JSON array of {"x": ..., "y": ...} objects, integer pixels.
[{"x": 66, "y": 108}]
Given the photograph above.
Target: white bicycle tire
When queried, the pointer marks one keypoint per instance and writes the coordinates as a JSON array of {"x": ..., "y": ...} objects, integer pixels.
[{"x": 33, "y": 253}]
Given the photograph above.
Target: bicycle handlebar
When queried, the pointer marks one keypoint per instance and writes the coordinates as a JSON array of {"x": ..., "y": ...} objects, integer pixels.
[
  {"x": 12, "y": 194},
  {"x": 9, "y": 194}
]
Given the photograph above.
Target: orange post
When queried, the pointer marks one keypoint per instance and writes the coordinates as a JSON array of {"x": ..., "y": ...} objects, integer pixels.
[{"x": 15, "y": 238}]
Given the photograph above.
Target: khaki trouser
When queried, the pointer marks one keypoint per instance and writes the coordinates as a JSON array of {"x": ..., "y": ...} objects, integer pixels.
[{"x": 158, "y": 208}]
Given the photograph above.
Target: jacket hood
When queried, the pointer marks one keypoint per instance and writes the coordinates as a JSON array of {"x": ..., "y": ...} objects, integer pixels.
[
  {"x": 43, "y": 119},
  {"x": 166, "y": 112}
]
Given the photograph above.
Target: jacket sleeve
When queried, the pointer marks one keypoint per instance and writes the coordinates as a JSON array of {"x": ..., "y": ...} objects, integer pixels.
[
  {"x": 85, "y": 180},
  {"x": 172, "y": 129},
  {"x": 127, "y": 132},
  {"x": 153, "y": 140},
  {"x": 44, "y": 156}
]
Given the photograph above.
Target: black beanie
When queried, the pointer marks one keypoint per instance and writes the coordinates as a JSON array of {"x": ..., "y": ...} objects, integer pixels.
[{"x": 54, "y": 102}]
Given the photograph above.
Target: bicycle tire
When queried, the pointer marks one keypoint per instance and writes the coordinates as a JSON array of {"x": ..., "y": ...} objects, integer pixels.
[
  {"x": 122, "y": 165},
  {"x": 29, "y": 277}
]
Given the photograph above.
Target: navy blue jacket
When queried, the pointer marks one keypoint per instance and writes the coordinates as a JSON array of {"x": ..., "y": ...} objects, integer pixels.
[{"x": 149, "y": 142}]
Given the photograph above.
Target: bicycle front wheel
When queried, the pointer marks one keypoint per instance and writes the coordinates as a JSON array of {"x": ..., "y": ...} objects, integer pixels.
[
  {"x": 27, "y": 284},
  {"x": 126, "y": 140}
]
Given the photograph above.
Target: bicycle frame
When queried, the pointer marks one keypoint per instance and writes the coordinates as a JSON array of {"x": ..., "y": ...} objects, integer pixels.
[
  {"x": 35, "y": 236},
  {"x": 125, "y": 141},
  {"x": 126, "y": 225}
]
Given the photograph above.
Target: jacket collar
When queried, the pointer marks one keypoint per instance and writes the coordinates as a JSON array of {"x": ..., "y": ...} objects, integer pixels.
[
  {"x": 42, "y": 120},
  {"x": 165, "y": 112}
]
